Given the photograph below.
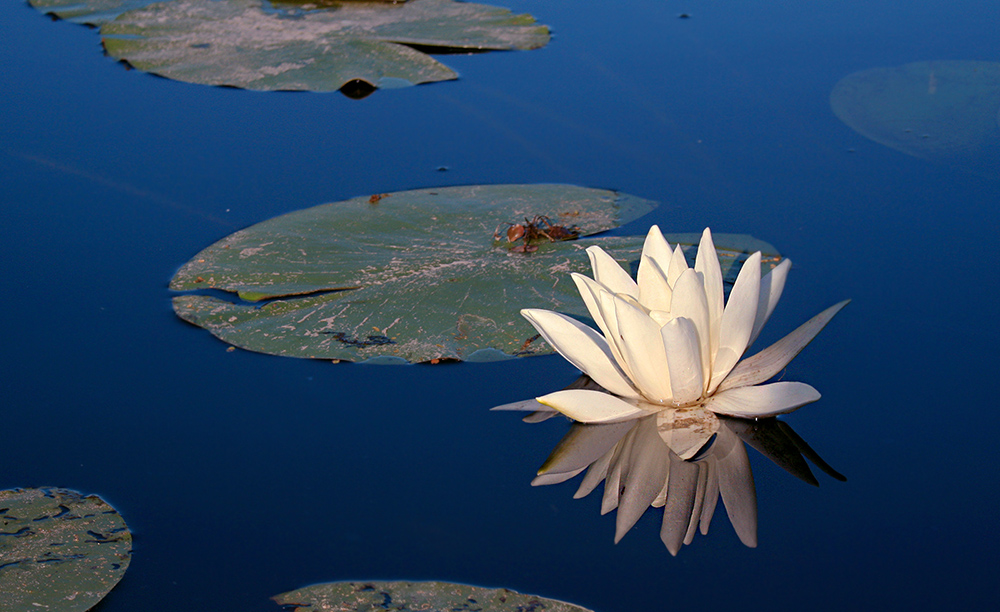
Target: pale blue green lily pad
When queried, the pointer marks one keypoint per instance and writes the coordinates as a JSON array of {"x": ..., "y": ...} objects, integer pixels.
[
  {"x": 296, "y": 46},
  {"x": 942, "y": 111},
  {"x": 413, "y": 276},
  {"x": 366, "y": 596},
  {"x": 87, "y": 12},
  {"x": 59, "y": 550}
]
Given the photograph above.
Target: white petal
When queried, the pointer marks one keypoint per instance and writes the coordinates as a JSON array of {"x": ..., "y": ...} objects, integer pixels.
[
  {"x": 633, "y": 302},
  {"x": 610, "y": 274},
  {"x": 683, "y": 352},
  {"x": 657, "y": 248},
  {"x": 592, "y": 406},
  {"x": 707, "y": 262},
  {"x": 678, "y": 263},
  {"x": 771, "y": 286},
  {"x": 691, "y": 303},
  {"x": 761, "y": 400},
  {"x": 643, "y": 349},
  {"x": 654, "y": 291},
  {"x": 607, "y": 303},
  {"x": 765, "y": 364},
  {"x": 662, "y": 317},
  {"x": 737, "y": 320},
  {"x": 591, "y": 290},
  {"x": 588, "y": 289},
  {"x": 583, "y": 347}
]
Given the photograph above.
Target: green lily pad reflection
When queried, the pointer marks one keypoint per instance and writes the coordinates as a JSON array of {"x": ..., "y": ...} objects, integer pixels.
[
  {"x": 239, "y": 43},
  {"x": 413, "y": 276},
  {"x": 59, "y": 550},
  {"x": 365, "y": 596},
  {"x": 942, "y": 111}
]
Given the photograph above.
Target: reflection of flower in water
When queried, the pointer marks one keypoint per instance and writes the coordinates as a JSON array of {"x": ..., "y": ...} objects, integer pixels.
[
  {"x": 682, "y": 460},
  {"x": 671, "y": 340}
]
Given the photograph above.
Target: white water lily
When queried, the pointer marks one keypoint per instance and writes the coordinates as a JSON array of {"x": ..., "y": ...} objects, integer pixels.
[{"x": 669, "y": 339}]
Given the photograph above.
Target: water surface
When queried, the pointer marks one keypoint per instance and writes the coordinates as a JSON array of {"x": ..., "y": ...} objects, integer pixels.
[{"x": 244, "y": 475}]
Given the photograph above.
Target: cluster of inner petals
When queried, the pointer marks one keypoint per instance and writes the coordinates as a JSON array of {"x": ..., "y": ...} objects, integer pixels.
[{"x": 669, "y": 337}]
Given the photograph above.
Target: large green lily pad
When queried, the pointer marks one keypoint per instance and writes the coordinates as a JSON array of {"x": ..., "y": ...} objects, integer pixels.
[
  {"x": 87, "y": 12},
  {"x": 59, "y": 551},
  {"x": 242, "y": 43},
  {"x": 413, "y": 275},
  {"x": 943, "y": 111},
  {"x": 367, "y": 596}
]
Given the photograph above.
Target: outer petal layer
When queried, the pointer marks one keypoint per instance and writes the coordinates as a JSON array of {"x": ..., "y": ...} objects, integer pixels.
[
  {"x": 771, "y": 286},
  {"x": 583, "y": 347},
  {"x": 765, "y": 364},
  {"x": 610, "y": 274},
  {"x": 592, "y": 406},
  {"x": 760, "y": 401},
  {"x": 737, "y": 320}
]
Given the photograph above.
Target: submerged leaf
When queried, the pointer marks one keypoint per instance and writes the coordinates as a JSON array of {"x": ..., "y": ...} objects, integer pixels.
[
  {"x": 59, "y": 550},
  {"x": 943, "y": 111},
  {"x": 414, "y": 275},
  {"x": 365, "y": 596},
  {"x": 238, "y": 43}
]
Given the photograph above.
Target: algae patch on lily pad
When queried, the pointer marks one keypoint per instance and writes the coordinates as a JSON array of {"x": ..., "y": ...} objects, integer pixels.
[
  {"x": 298, "y": 46},
  {"x": 59, "y": 550},
  {"x": 942, "y": 111},
  {"x": 365, "y": 596},
  {"x": 415, "y": 276}
]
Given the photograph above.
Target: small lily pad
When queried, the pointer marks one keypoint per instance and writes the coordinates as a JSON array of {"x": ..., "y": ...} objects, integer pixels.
[
  {"x": 942, "y": 111},
  {"x": 366, "y": 596},
  {"x": 59, "y": 550},
  {"x": 413, "y": 275},
  {"x": 296, "y": 45}
]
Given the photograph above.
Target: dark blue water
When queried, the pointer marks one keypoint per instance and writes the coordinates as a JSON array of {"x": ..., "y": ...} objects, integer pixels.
[{"x": 243, "y": 475}]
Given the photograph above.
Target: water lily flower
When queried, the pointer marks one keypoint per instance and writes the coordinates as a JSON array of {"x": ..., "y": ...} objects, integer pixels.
[{"x": 670, "y": 339}]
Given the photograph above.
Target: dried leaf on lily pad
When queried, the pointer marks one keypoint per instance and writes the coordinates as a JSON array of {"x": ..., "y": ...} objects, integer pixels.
[
  {"x": 59, "y": 550},
  {"x": 295, "y": 46},
  {"x": 414, "y": 275},
  {"x": 942, "y": 111},
  {"x": 365, "y": 596}
]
